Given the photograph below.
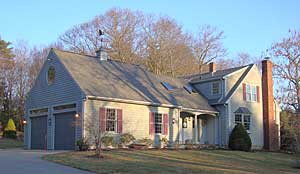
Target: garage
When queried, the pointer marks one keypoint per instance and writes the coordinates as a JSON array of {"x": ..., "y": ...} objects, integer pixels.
[
  {"x": 64, "y": 131},
  {"x": 39, "y": 132}
]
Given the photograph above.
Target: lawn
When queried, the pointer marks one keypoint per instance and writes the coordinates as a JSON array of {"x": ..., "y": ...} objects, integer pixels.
[
  {"x": 10, "y": 143},
  {"x": 182, "y": 161}
]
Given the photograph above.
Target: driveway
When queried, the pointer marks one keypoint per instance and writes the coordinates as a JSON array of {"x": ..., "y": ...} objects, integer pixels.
[{"x": 30, "y": 162}]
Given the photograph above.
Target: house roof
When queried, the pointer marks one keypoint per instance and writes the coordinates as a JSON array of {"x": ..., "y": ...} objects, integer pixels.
[
  {"x": 114, "y": 79},
  {"x": 209, "y": 75},
  {"x": 242, "y": 110},
  {"x": 205, "y": 77}
]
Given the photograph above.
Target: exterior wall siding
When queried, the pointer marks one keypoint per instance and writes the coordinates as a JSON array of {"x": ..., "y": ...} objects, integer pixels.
[
  {"x": 256, "y": 126},
  {"x": 63, "y": 90},
  {"x": 135, "y": 119},
  {"x": 206, "y": 89},
  {"x": 232, "y": 79}
]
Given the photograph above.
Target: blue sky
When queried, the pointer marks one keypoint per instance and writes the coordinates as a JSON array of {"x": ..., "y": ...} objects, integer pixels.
[{"x": 249, "y": 26}]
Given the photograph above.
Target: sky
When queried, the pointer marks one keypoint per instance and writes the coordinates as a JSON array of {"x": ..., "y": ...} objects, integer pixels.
[{"x": 249, "y": 26}]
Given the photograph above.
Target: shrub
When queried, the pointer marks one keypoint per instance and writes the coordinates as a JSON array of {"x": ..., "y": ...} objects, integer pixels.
[
  {"x": 107, "y": 141},
  {"x": 10, "y": 130},
  {"x": 188, "y": 144},
  {"x": 82, "y": 144},
  {"x": 146, "y": 141},
  {"x": 164, "y": 140},
  {"x": 10, "y": 134},
  {"x": 239, "y": 139},
  {"x": 126, "y": 138},
  {"x": 10, "y": 125}
]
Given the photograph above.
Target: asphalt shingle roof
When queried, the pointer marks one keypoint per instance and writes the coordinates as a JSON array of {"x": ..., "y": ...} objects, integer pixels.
[
  {"x": 114, "y": 79},
  {"x": 209, "y": 75}
]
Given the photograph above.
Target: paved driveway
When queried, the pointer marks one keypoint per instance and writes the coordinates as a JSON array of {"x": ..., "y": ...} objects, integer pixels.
[{"x": 30, "y": 162}]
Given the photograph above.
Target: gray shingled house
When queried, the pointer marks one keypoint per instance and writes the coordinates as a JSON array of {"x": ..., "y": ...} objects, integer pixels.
[{"x": 124, "y": 98}]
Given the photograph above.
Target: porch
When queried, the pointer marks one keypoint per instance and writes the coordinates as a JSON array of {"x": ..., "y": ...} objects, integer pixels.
[{"x": 198, "y": 128}]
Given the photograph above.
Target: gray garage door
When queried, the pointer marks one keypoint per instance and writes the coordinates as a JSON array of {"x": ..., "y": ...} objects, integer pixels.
[
  {"x": 39, "y": 132},
  {"x": 65, "y": 131}
]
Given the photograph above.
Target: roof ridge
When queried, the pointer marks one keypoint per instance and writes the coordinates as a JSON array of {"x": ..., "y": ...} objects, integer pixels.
[{"x": 112, "y": 60}]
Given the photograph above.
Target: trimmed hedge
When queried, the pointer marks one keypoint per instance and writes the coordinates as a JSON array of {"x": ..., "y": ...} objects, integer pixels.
[{"x": 239, "y": 139}]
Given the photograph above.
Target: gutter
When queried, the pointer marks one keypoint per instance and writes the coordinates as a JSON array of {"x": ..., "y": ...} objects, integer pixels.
[{"x": 146, "y": 103}]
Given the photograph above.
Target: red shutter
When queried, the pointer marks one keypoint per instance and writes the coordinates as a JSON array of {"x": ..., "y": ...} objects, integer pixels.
[
  {"x": 244, "y": 91},
  {"x": 166, "y": 124},
  {"x": 120, "y": 120},
  {"x": 151, "y": 123},
  {"x": 102, "y": 119},
  {"x": 257, "y": 94}
]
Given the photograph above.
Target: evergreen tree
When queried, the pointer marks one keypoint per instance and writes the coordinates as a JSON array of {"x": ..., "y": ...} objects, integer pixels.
[
  {"x": 6, "y": 55},
  {"x": 239, "y": 139}
]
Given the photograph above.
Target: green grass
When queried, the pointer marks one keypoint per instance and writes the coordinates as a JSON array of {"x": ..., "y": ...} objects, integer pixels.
[
  {"x": 182, "y": 161},
  {"x": 10, "y": 143}
]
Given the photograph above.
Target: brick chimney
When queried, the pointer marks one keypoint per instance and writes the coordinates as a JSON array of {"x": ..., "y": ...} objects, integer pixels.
[
  {"x": 271, "y": 137},
  {"x": 212, "y": 67}
]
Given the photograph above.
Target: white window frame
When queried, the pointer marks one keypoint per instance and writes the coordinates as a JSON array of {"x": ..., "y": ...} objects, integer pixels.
[
  {"x": 243, "y": 120},
  {"x": 115, "y": 120},
  {"x": 251, "y": 93},
  {"x": 213, "y": 89},
  {"x": 162, "y": 123}
]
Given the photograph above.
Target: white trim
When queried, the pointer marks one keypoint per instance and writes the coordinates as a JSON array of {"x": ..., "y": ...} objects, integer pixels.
[
  {"x": 63, "y": 110},
  {"x": 147, "y": 103},
  {"x": 237, "y": 71},
  {"x": 116, "y": 120},
  {"x": 239, "y": 85}
]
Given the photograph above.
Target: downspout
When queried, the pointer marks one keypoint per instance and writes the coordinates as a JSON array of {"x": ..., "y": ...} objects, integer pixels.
[{"x": 84, "y": 100}]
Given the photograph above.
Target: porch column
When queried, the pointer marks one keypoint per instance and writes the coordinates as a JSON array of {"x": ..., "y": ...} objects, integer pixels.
[{"x": 196, "y": 128}]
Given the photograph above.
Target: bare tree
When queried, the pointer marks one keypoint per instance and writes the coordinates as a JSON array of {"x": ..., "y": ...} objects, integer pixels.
[
  {"x": 167, "y": 48},
  {"x": 207, "y": 45},
  {"x": 122, "y": 35},
  {"x": 286, "y": 58},
  {"x": 95, "y": 134}
]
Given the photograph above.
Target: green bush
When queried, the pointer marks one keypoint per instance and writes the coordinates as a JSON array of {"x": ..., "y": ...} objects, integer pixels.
[
  {"x": 126, "y": 138},
  {"x": 10, "y": 134},
  {"x": 107, "y": 141},
  {"x": 239, "y": 139},
  {"x": 82, "y": 144}
]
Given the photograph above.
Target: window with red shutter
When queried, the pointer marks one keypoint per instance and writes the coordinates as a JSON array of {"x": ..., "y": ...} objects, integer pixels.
[
  {"x": 151, "y": 123},
  {"x": 166, "y": 124},
  {"x": 102, "y": 119},
  {"x": 120, "y": 121},
  {"x": 257, "y": 93},
  {"x": 244, "y": 91}
]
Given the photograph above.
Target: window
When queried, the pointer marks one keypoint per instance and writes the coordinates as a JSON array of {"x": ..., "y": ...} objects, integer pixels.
[
  {"x": 248, "y": 93},
  {"x": 51, "y": 75},
  {"x": 168, "y": 86},
  {"x": 254, "y": 93},
  {"x": 111, "y": 120},
  {"x": 244, "y": 119},
  {"x": 62, "y": 107},
  {"x": 215, "y": 88},
  {"x": 238, "y": 119},
  {"x": 189, "y": 88},
  {"x": 247, "y": 122},
  {"x": 158, "y": 123},
  {"x": 38, "y": 111},
  {"x": 251, "y": 93}
]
